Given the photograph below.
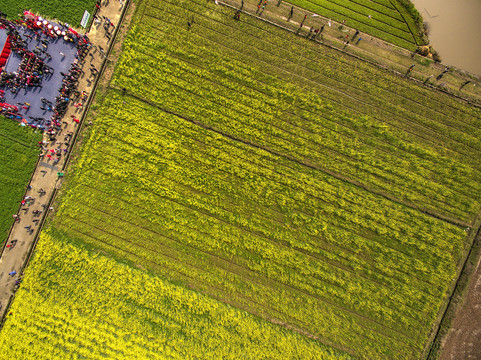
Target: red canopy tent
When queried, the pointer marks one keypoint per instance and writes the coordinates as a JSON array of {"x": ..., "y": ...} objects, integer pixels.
[
  {"x": 29, "y": 15},
  {"x": 73, "y": 32},
  {"x": 7, "y": 49}
]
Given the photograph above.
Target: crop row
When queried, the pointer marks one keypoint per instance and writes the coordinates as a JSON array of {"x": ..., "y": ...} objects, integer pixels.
[
  {"x": 92, "y": 307},
  {"x": 153, "y": 184},
  {"x": 209, "y": 99},
  {"x": 391, "y": 27}
]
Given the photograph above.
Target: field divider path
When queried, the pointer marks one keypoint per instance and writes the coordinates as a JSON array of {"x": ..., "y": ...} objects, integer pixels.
[{"x": 48, "y": 176}]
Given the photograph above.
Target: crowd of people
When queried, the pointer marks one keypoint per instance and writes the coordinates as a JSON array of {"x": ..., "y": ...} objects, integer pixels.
[{"x": 33, "y": 70}]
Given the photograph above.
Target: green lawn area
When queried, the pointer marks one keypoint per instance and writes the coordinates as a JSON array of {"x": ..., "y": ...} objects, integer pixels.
[
  {"x": 281, "y": 177},
  {"x": 17, "y": 162},
  {"x": 70, "y": 11}
]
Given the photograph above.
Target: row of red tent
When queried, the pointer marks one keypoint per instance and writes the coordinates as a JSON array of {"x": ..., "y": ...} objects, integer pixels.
[
  {"x": 7, "y": 49},
  {"x": 8, "y": 107},
  {"x": 31, "y": 16}
]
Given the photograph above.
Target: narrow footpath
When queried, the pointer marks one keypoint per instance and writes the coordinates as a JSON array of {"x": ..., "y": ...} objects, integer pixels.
[{"x": 48, "y": 176}]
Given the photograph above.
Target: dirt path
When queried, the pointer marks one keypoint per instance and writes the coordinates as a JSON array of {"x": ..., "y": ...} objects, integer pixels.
[
  {"x": 369, "y": 48},
  {"x": 463, "y": 340},
  {"x": 47, "y": 176}
]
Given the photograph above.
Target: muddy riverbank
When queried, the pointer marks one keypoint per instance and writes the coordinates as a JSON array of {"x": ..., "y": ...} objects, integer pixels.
[{"x": 454, "y": 31}]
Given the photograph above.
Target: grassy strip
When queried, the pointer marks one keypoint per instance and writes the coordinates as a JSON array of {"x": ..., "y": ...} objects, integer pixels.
[
  {"x": 17, "y": 160},
  {"x": 67, "y": 11},
  {"x": 413, "y": 20}
]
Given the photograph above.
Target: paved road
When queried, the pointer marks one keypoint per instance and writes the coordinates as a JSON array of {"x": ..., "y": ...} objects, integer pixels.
[{"x": 45, "y": 176}]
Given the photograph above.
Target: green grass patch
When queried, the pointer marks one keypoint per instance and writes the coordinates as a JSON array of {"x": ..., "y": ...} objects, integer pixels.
[
  {"x": 17, "y": 161},
  {"x": 70, "y": 11}
]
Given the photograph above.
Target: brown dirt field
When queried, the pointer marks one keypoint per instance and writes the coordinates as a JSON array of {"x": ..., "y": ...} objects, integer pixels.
[{"x": 463, "y": 340}]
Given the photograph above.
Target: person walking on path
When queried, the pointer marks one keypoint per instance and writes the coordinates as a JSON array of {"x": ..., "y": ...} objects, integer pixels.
[
  {"x": 263, "y": 8},
  {"x": 310, "y": 32},
  {"x": 355, "y": 34},
  {"x": 302, "y": 23},
  {"x": 291, "y": 13}
]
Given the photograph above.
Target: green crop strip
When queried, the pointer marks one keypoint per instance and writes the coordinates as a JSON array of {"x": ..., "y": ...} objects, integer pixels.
[
  {"x": 17, "y": 160},
  {"x": 389, "y": 20},
  {"x": 70, "y": 11}
]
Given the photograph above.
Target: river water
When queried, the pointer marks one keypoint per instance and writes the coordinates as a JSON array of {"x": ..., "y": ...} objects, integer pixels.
[{"x": 455, "y": 31}]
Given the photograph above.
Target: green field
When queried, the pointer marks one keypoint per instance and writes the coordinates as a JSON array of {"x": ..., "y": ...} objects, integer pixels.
[
  {"x": 113, "y": 311},
  {"x": 284, "y": 178},
  {"x": 70, "y": 11},
  {"x": 17, "y": 161},
  {"x": 391, "y": 20}
]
